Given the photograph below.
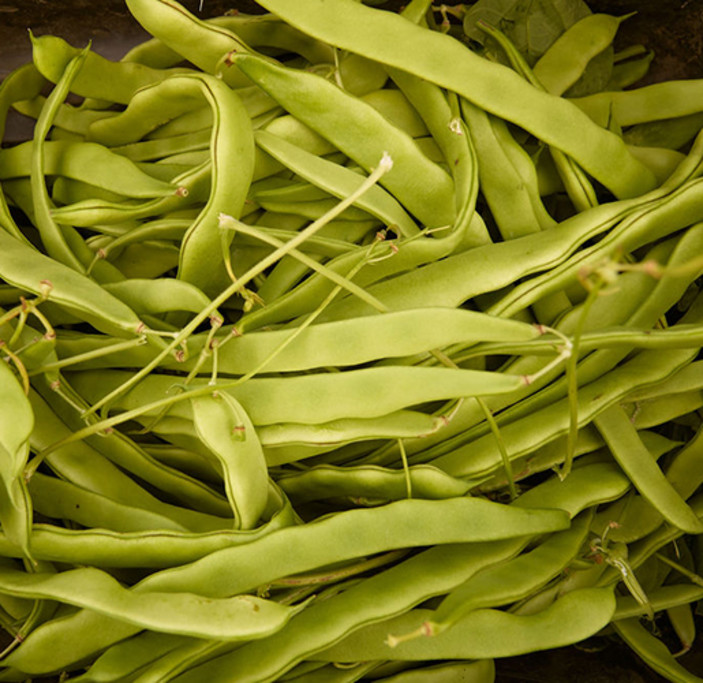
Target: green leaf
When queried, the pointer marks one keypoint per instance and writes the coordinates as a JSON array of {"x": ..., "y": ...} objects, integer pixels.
[{"x": 532, "y": 25}]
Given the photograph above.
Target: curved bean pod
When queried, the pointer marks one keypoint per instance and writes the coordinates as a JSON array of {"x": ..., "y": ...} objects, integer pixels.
[
  {"x": 16, "y": 425},
  {"x": 199, "y": 42},
  {"x": 360, "y": 132},
  {"x": 631, "y": 454},
  {"x": 485, "y": 633},
  {"x": 337, "y": 180},
  {"x": 332, "y": 396},
  {"x": 491, "y": 86},
  {"x": 242, "y": 617},
  {"x": 71, "y": 290},
  {"x": 567, "y": 57},
  {"x": 99, "y": 77},
  {"x": 225, "y": 428},
  {"x": 325, "y": 481},
  {"x": 413, "y": 523},
  {"x": 88, "y": 162}
]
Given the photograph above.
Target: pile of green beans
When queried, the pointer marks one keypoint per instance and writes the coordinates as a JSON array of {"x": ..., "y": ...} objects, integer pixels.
[{"x": 329, "y": 357}]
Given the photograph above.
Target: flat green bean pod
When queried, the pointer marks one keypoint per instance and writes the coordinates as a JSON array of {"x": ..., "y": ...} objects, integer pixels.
[
  {"x": 568, "y": 56},
  {"x": 193, "y": 187},
  {"x": 632, "y": 455},
  {"x": 325, "y": 481},
  {"x": 99, "y": 77},
  {"x": 126, "y": 658},
  {"x": 382, "y": 596},
  {"x": 651, "y": 103},
  {"x": 225, "y": 428},
  {"x": 541, "y": 427},
  {"x": 401, "y": 524},
  {"x": 331, "y": 396},
  {"x": 104, "y": 547},
  {"x": 88, "y": 162},
  {"x": 204, "y": 44},
  {"x": 491, "y": 86},
  {"x": 337, "y": 180},
  {"x": 362, "y": 133},
  {"x": 513, "y": 580},
  {"x": 653, "y": 651},
  {"x": 68, "y": 117},
  {"x": 19, "y": 265},
  {"x": 16, "y": 425},
  {"x": 158, "y": 295},
  {"x": 242, "y": 617},
  {"x": 484, "y": 633},
  {"x": 664, "y": 597}
]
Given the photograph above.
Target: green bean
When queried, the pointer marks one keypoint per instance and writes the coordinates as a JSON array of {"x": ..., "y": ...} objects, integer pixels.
[
  {"x": 324, "y": 481},
  {"x": 489, "y": 267},
  {"x": 16, "y": 425},
  {"x": 512, "y": 580},
  {"x": 227, "y": 431},
  {"x": 658, "y": 411},
  {"x": 98, "y": 77},
  {"x": 652, "y": 651},
  {"x": 682, "y": 621},
  {"x": 237, "y": 618},
  {"x": 568, "y": 56},
  {"x": 316, "y": 544},
  {"x": 59, "y": 499},
  {"x": 433, "y": 572},
  {"x": 103, "y": 547},
  {"x": 383, "y": 595},
  {"x": 33, "y": 657},
  {"x": 332, "y": 396},
  {"x": 488, "y": 85},
  {"x": 336, "y": 180},
  {"x": 672, "y": 213},
  {"x": 148, "y": 260},
  {"x": 71, "y": 290},
  {"x": 193, "y": 187},
  {"x": 129, "y": 456},
  {"x": 670, "y": 133},
  {"x": 158, "y": 295},
  {"x": 662, "y": 598},
  {"x": 483, "y": 634},
  {"x": 364, "y": 136},
  {"x": 148, "y": 150},
  {"x": 277, "y": 438},
  {"x": 398, "y": 110},
  {"x": 641, "y": 105},
  {"x": 481, "y": 671},
  {"x": 87, "y": 162},
  {"x": 52, "y": 236},
  {"x": 445, "y": 125},
  {"x": 592, "y": 484},
  {"x": 312, "y": 210},
  {"x": 25, "y": 81},
  {"x": 297, "y": 133},
  {"x": 318, "y": 672},
  {"x": 628, "y": 73},
  {"x": 269, "y": 31},
  {"x": 129, "y": 656},
  {"x": 500, "y": 179},
  {"x": 625, "y": 445},
  {"x": 159, "y": 229},
  {"x": 661, "y": 161},
  {"x": 69, "y": 118},
  {"x": 199, "y": 42},
  {"x": 174, "y": 662}
]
